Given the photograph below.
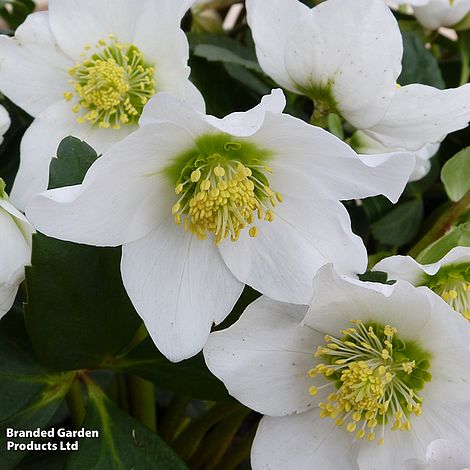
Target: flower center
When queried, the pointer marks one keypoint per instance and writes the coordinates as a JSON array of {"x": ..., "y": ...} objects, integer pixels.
[
  {"x": 222, "y": 190},
  {"x": 377, "y": 377},
  {"x": 111, "y": 85},
  {"x": 452, "y": 283}
]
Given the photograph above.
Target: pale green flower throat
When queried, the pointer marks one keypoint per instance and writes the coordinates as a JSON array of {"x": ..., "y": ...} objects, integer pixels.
[
  {"x": 222, "y": 187},
  {"x": 111, "y": 85},
  {"x": 377, "y": 377}
]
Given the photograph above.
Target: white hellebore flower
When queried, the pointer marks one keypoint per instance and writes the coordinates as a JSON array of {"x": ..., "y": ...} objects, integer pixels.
[
  {"x": 177, "y": 190},
  {"x": 15, "y": 250},
  {"x": 449, "y": 277},
  {"x": 365, "y": 145},
  {"x": 437, "y": 13},
  {"x": 87, "y": 68},
  {"x": 365, "y": 379},
  {"x": 346, "y": 56},
  {"x": 5, "y": 122}
]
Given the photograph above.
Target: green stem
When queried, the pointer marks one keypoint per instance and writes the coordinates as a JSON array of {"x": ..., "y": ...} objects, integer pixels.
[
  {"x": 189, "y": 439},
  {"x": 76, "y": 403},
  {"x": 142, "y": 393},
  {"x": 217, "y": 441},
  {"x": 465, "y": 58},
  {"x": 239, "y": 452},
  {"x": 442, "y": 225},
  {"x": 172, "y": 418}
]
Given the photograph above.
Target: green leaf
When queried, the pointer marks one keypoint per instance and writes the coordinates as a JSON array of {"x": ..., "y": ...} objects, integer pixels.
[
  {"x": 30, "y": 393},
  {"x": 78, "y": 313},
  {"x": 74, "y": 157},
  {"x": 214, "y": 53},
  {"x": 456, "y": 175},
  {"x": 400, "y": 225},
  {"x": 418, "y": 64},
  {"x": 459, "y": 236},
  {"x": 124, "y": 443},
  {"x": 190, "y": 377}
]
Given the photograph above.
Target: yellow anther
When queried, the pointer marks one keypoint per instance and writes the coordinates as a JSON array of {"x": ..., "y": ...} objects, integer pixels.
[
  {"x": 351, "y": 427},
  {"x": 253, "y": 232},
  {"x": 313, "y": 390},
  {"x": 371, "y": 436},
  {"x": 360, "y": 434},
  {"x": 179, "y": 188},
  {"x": 195, "y": 176}
]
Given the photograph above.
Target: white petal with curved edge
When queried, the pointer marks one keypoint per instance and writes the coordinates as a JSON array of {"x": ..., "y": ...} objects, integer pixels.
[
  {"x": 5, "y": 122},
  {"x": 125, "y": 193},
  {"x": 337, "y": 300},
  {"x": 282, "y": 259},
  {"x": 365, "y": 144},
  {"x": 180, "y": 286},
  {"x": 420, "y": 114},
  {"x": 15, "y": 249},
  {"x": 163, "y": 43},
  {"x": 437, "y": 13},
  {"x": 249, "y": 122},
  {"x": 271, "y": 22},
  {"x": 310, "y": 161},
  {"x": 56, "y": 122},
  {"x": 303, "y": 442},
  {"x": 33, "y": 69},
  {"x": 8, "y": 292},
  {"x": 164, "y": 107},
  {"x": 21, "y": 221},
  {"x": 92, "y": 20},
  {"x": 400, "y": 447},
  {"x": 325, "y": 53},
  {"x": 441, "y": 454},
  {"x": 405, "y": 267},
  {"x": 263, "y": 359}
]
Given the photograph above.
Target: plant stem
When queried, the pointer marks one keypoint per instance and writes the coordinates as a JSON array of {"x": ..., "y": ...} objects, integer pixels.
[
  {"x": 239, "y": 452},
  {"x": 217, "y": 441},
  {"x": 188, "y": 441},
  {"x": 465, "y": 57},
  {"x": 142, "y": 393},
  {"x": 76, "y": 404},
  {"x": 442, "y": 225},
  {"x": 172, "y": 418}
]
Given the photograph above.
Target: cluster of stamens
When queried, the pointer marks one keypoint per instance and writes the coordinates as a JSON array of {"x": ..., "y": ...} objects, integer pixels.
[
  {"x": 111, "y": 85},
  {"x": 454, "y": 288},
  {"x": 223, "y": 196},
  {"x": 373, "y": 378}
]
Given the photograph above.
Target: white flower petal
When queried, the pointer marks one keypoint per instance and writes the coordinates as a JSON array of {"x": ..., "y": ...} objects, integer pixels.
[
  {"x": 271, "y": 22},
  {"x": 162, "y": 42},
  {"x": 164, "y": 107},
  {"x": 263, "y": 359},
  {"x": 420, "y": 114},
  {"x": 5, "y": 122},
  {"x": 247, "y": 123},
  {"x": 405, "y": 267},
  {"x": 15, "y": 251},
  {"x": 303, "y": 442},
  {"x": 180, "y": 286},
  {"x": 124, "y": 196},
  {"x": 365, "y": 144},
  {"x": 8, "y": 292},
  {"x": 400, "y": 447},
  {"x": 442, "y": 454},
  {"x": 306, "y": 156},
  {"x": 437, "y": 13},
  {"x": 56, "y": 122},
  {"x": 283, "y": 258},
  {"x": 33, "y": 69},
  {"x": 351, "y": 50},
  {"x": 337, "y": 300}
]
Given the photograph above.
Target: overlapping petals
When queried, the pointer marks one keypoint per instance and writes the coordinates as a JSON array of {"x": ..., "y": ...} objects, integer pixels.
[
  {"x": 127, "y": 198},
  {"x": 266, "y": 358}
]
